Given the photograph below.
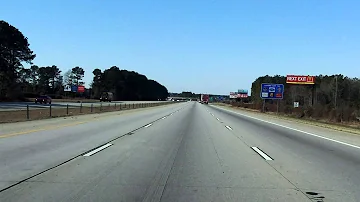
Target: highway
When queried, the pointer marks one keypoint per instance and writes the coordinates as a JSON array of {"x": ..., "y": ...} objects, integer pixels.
[{"x": 179, "y": 152}]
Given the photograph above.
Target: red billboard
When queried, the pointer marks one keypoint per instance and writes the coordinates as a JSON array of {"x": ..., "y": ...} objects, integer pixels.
[
  {"x": 81, "y": 89},
  {"x": 242, "y": 95},
  {"x": 296, "y": 79}
]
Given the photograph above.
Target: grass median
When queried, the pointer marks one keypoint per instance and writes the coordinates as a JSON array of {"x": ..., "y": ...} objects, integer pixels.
[{"x": 52, "y": 112}]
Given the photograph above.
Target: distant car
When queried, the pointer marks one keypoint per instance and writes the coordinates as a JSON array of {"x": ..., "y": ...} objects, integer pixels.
[{"x": 44, "y": 99}]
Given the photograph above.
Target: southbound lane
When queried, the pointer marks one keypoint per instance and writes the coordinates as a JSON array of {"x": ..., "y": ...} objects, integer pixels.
[{"x": 202, "y": 153}]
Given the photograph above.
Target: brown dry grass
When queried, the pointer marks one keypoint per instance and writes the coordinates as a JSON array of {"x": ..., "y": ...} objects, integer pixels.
[
  {"x": 350, "y": 127},
  {"x": 35, "y": 114}
]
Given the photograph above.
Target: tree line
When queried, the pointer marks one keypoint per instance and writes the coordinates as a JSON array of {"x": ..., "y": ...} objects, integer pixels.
[
  {"x": 18, "y": 82},
  {"x": 127, "y": 85},
  {"x": 334, "y": 97}
]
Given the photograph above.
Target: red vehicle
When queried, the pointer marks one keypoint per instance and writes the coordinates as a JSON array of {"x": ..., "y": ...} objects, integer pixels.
[
  {"x": 43, "y": 99},
  {"x": 204, "y": 99}
]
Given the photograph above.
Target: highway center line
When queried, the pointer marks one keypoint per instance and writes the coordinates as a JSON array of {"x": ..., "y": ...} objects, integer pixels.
[
  {"x": 98, "y": 149},
  {"x": 228, "y": 127},
  {"x": 261, "y": 153},
  {"x": 218, "y": 119},
  {"x": 148, "y": 125},
  {"x": 297, "y": 130},
  {"x": 163, "y": 117}
]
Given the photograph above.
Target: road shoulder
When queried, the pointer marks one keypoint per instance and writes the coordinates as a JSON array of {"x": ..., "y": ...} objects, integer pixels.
[{"x": 345, "y": 135}]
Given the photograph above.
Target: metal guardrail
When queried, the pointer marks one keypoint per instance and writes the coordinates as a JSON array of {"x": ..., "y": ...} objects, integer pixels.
[{"x": 49, "y": 111}]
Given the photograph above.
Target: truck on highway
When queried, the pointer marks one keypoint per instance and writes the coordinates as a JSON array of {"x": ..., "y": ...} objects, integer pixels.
[
  {"x": 204, "y": 99},
  {"x": 106, "y": 97}
]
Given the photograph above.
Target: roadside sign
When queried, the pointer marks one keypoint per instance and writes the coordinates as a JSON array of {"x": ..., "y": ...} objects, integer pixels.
[
  {"x": 74, "y": 88},
  {"x": 233, "y": 95},
  {"x": 272, "y": 91},
  {"x": 296, "y": 79},
  {"x": 296, "y": 104},
  {"x": 81, "y": 89},
  {"x": 242, "y": 91},
  {"x": 242, "y": 95},
  {"x": 67, "y": 88}
]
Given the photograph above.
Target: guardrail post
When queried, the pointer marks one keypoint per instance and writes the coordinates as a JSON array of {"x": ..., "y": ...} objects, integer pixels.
[
  {"x": 120, "y": 107},
  {"x": 133, "y": 105},
  {"x": 100, "y": 106},
  {"x": 27, "y": 112},
  {"x": 115, "y": 105},
  {"x": 67, "y": 109},
  {"x": 91, "y": 108},
  {"x": 109, "y": 106},
  {"x": 80, "y": 107},
  {"x": 50, "y": 110}
]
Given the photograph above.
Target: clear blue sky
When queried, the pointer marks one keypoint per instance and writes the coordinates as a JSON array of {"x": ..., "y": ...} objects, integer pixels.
[{"x": 213, "y": 46}]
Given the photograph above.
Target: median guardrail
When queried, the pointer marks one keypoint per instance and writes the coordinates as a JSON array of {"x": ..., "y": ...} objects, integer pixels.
[{"x": 38, "y": 111}]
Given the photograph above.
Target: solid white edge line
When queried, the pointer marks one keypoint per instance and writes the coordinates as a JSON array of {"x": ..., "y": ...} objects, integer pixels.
[
  {"x": 228, "y": 127},
  {"x": 297, "y": 130},
  {"x": 266, "y": 157},
  {"x": 98, "y": 149},
  {"x": 148, "y": 125}
]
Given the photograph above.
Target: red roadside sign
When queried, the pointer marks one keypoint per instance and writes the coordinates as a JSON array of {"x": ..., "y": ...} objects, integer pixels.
[
  {"x": 296, "y": 79},
  {"x": 81, "y": 89},
  {"x": 242, "y": 95}
]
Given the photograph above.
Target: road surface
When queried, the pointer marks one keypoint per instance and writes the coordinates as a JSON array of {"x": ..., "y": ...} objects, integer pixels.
[
  {"x": 12, "y": 106},
  {"x": 181, "y": 152}
]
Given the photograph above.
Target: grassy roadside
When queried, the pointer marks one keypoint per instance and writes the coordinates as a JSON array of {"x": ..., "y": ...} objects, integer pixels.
[{"x": 353, "y": 128}]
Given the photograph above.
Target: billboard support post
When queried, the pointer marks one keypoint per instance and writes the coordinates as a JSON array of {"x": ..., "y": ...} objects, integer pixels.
[
  {"x": 336, "y": 91},
  {"x": 27, "y": 112},
  {"x": 263, "y": 107}
]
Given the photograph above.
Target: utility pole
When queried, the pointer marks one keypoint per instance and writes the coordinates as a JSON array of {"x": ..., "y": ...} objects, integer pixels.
[{"x": 336, "y": 90}]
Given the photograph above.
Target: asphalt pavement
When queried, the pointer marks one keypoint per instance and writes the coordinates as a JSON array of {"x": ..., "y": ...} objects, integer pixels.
[
  {"x": 181, "y": 152},
  {"x": 12, "y": 106}
]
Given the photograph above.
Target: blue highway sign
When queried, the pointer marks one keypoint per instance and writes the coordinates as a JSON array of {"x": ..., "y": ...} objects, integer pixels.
[
  {"x": 272, "y": 91},
  {"x": 74, "y": 88}
]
